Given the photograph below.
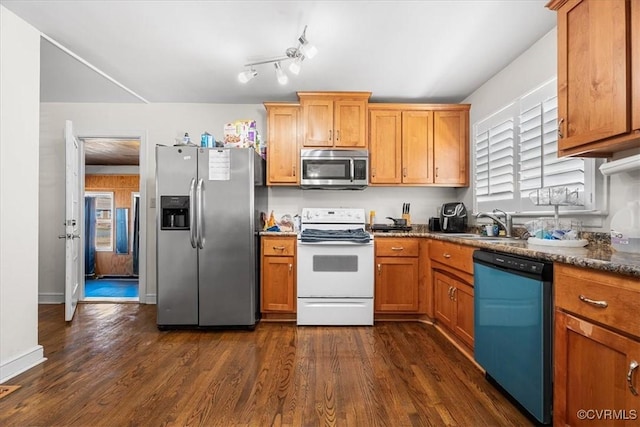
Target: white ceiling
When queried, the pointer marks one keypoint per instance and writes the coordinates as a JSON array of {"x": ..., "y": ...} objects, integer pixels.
[{"x": 192, "y": 51}]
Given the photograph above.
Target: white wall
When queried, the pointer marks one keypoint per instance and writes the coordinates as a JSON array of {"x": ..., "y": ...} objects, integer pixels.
[
  {"x": 19, "y": 115},
  {"x": 535, "y": 66},
  {"x": 386, "y": 201}
]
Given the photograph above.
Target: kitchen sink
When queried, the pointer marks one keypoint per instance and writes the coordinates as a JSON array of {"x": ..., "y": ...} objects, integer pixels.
[{"x": 490, "y": 239}]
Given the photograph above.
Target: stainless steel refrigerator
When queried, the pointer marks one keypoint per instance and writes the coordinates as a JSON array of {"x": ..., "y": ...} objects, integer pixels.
[{"x": 209, "y": 202}]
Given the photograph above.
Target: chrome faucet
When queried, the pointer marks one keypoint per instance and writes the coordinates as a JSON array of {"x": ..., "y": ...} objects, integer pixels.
[{"x": 507, "y": 224}]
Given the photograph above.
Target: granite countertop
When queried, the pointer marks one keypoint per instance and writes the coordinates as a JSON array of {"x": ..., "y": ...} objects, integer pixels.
[{"x": 596, "y": 256}]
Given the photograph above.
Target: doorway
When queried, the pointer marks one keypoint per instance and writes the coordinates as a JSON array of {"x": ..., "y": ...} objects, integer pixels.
[{"x": 114, "y": 221}]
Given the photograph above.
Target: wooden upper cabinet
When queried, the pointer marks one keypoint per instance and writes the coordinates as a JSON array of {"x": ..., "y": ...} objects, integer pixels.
[
  {"x": 385, "y": 146},
  {"x": 317, "y": 116},
  {"x": 635, "y": 65},
  {"x": 595, "y": 95},
  {"x": 419, "y": 144},
  {"x": 417, "y": 147},
  {"x": 451, "y": 147},
  {"x": 283, "y": 154},
  {"x": 334, "y": 119}
]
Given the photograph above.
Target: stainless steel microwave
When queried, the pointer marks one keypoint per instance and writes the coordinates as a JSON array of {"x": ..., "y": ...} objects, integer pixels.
[{"x": 334, "y": 169}]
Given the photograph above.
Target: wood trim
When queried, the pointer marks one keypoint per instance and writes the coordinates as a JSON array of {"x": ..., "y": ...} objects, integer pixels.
[
  {"x": 431, "y": 107},
  {"x": 341, "y": 95},
  {"x": 280, "y": 104},
  {"x": 556, "y": 4},
  {"x": 635, "y": 64}
]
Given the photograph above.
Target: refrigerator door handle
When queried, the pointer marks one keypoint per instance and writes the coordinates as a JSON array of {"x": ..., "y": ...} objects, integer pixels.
[
  {"x": 192, "y": 212},
  {"x": 200, "y": 226}
]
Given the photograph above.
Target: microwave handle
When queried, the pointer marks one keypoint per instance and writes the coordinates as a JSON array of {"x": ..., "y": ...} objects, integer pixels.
[{"x": 353, "y": 169}]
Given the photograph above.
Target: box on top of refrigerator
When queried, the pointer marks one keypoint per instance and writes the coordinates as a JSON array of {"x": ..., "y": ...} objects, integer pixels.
[{"x": 241, "y": 134}]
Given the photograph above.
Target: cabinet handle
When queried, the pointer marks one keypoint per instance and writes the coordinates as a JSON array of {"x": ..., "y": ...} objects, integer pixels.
[
  {"x": 278, "y": 248},
  {"x": 446, "y": 255},
  {"x": 294, "y": 170},
  {"x": 379, "y": 268},
  {"x": 373, "y": 172},
  {"x": 632, "y": 367},
  {"x": 450, "y": 291},
  {"x": 338, "y": 135},
  {"x": 330, "y": 134},
  {"x": 560, "y": 122},
  {"x": 404, "y": 172},
  {"x": 453, "y": 294},
  {"x": 397, "y": 248},
  {"x": 290, "y": 268},
  {"x": 599, "y": 304},
  {"x": 437, "y": 172}
]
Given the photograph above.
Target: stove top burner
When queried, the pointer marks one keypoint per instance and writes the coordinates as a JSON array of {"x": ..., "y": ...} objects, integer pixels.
[{"x": 385, "y": 227}]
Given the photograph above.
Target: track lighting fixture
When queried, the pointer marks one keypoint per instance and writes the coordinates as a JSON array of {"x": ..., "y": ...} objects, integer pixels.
[{"x": 295, "y": 54}]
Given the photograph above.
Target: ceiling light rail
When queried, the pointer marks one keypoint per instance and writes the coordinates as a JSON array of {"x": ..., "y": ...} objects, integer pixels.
[{"x": 294, "y": 54}]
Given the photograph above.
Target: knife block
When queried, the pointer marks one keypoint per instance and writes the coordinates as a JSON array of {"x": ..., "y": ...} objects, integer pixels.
[{"x": 407, "y": 218}]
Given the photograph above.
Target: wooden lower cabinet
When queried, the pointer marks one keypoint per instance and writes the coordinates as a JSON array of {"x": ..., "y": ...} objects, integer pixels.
[
  {"x": 591, "y": 373},
  {"x": 397, "y": 275},
  {"x": 453, "y": 305},
  {"x": 596, "y": 348},
  {"x": 278, "y": 284}
]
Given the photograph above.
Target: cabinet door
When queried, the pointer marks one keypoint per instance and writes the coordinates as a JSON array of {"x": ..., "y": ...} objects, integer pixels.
[
  {"x": 317, "y": 116},
  {"x": 463, "y": 323},
  {"x": 385, "y": 128},
  {"x": 417, "y": 147},
  {"x": 350, "y": 122},
  {"x": 591, "y": 365},
  {"x": 278, "y": 284},
  {"x": 450, "y": 147},
  {"x": 635, "y": 64},
  {"x": 443, "y": 305},
  {"x": 283, "y": 155},
  {"x": 592, "y": 71},
  {"x": 396, "y": 287}
]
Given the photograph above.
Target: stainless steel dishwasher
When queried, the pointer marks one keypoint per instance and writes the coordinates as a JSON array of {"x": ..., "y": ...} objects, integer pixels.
[{"x": 513, "y": 327}]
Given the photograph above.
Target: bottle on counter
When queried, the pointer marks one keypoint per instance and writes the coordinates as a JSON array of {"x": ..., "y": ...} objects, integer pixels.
[{"x": 372, "y": 218}]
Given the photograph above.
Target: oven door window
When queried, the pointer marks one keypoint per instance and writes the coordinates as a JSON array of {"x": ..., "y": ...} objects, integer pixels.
[
  {"x": 341, "y": 263},
  {"x": 326, "y": 169}
]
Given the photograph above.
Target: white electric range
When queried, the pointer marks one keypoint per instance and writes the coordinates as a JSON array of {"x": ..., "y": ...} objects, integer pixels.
[{"x": 335, "y": 267}]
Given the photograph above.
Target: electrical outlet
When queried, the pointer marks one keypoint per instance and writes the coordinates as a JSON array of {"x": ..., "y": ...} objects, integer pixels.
[{"x": 152, "y": 202}]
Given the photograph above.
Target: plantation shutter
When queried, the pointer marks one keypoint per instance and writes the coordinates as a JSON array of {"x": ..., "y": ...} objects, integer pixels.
[
  {"x": 495, "y": 161},
  {"x": 539, "y": 165}
]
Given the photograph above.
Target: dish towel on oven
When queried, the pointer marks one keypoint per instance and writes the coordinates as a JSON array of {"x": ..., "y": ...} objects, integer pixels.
[{"x": 357, "y": 235}]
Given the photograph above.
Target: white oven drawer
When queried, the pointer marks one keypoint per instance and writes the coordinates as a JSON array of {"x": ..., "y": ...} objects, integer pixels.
[
  {"x": 334, "y": 311},
  {"x": 326, "y": 270}
]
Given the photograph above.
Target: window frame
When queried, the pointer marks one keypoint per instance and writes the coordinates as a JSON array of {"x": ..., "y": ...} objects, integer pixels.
[{"x": 595, "y": 183}]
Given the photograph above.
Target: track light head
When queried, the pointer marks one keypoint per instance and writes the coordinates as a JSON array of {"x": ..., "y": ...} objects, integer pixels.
[
  {"x": 282, "y": 77},
  {"x": 247, "y": 75}
]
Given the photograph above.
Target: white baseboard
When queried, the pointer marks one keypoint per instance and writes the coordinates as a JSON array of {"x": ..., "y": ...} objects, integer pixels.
[
  {"x": 151, "y": 299},
  {"x": 21, "y": 363},
  {"x": 51, "y": 298}
]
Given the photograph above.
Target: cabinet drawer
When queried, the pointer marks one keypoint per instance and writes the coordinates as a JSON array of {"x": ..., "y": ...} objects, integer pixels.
[
  {"x": 397, "y": 247},
  {"x": 453, "y": 255},
  {"x": 585, "y": 292},
  {"x": 275, "y": 246}
]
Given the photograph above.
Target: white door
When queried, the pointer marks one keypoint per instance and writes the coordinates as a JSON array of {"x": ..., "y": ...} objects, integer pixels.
[{"x": 72, "y": 222}]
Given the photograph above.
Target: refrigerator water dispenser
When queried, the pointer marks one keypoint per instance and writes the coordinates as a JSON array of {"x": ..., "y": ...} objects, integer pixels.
[{"x": 175, "y": 212}]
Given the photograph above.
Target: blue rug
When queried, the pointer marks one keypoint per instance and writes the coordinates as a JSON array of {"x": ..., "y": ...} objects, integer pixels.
[{"x": 111, "y": 288}]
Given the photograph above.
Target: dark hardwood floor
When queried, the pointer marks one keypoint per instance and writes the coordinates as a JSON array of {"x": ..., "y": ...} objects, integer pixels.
[{"x": 112, "y": 367}]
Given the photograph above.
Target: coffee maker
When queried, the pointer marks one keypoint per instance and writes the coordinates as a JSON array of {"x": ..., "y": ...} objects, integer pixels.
[{"x": 453, "y": 217}]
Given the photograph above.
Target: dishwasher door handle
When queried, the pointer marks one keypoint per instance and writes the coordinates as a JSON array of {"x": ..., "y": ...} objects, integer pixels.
[{"x": 599, "y": 304}]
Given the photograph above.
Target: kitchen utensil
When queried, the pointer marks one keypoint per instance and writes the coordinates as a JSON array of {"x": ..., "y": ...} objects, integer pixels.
[{"x": 398, "y": 221}]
